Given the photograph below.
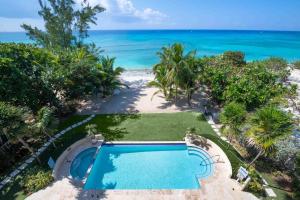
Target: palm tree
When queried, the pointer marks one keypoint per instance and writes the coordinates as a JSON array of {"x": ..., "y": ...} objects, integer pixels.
[
  {"x": 160, "y": 81},
  {"x": 175, "y": 71},
  {"x": 232, "y": 118},
  {"x": 269, "y": 125},
  {"x": 110, "y": 76},
  {"x": 45, "y": 122},
  {"x": 13, "y": 124}
]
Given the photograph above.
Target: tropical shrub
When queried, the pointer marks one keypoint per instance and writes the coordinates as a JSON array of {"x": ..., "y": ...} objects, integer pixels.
[
  {"x": 256, "y": 184},
  {"x": 109, "y": 76},
  {"x": 234, "y": 58},
  {"x": 254, "y": 87},
  {"x": 277, "y": 66},
  {"x": 296, "y": 64},
  {"x": 232, "y": 117},
  {"x": 269, "y": 125},
  {"x": 36, "y": 179},
  {"x": 286, "y": 151},
  {"x": 24, "y": 71}
]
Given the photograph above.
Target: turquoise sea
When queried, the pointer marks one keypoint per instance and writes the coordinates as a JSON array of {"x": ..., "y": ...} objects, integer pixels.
[{"x": 137, "y": 49}]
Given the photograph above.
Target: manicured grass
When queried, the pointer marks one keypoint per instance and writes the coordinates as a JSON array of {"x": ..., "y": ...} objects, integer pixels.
[
  {"x": 134, "y": 127},
  {"x": 151, "y": 127}
]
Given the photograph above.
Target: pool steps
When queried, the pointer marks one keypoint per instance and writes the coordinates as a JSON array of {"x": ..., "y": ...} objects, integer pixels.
[{"x": 91, "y": 165}]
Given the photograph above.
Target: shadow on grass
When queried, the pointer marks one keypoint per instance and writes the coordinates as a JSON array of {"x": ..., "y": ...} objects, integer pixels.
[{"x": 107, "y": 125}]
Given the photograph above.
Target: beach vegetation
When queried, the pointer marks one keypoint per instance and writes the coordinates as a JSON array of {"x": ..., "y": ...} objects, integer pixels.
[
  {"x": 232, "y": 118},
  {"x": 269, "y": 125},
  {"x": 296, "y": 64},
  {"x": 176, "y": 72}
]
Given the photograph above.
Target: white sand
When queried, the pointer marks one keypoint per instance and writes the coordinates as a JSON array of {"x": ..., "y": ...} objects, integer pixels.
[{"x": 138, "y": 98}]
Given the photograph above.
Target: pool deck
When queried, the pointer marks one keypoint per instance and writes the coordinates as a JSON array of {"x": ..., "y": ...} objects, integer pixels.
[{"x": 218, "y": 186}]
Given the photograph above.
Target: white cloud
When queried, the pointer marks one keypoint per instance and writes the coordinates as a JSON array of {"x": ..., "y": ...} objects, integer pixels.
[
  {"x": 148, "y": 14},
  {"x": 126, "y": 8}
]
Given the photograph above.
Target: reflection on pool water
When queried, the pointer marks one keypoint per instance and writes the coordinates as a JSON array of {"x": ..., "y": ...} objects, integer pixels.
[
  {"x": 163, "y": 166},
  {"x": 82, "y": 162}
]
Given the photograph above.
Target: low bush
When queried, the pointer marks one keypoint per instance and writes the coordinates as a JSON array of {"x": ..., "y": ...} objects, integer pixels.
[
  {"x": 297, "y": 64},
  {"x": 255, "y": 185},
  {"x": 35, "y": 179}
]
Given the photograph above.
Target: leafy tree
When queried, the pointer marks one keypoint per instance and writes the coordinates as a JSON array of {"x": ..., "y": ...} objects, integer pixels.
[
  {"x": 268, "y": 126},
  {"x": 24, "y": 71},
  {"x": 13, "y": 125},
  {"x": 254, "y": 87},
  {"x": 62, "y": 21},
  {"x": 215, "y": 75},
  {"x": 232, "y": 118}
]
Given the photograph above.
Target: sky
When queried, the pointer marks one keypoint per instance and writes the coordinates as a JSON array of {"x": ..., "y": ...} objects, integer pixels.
[{"x": 169, "y": 14}]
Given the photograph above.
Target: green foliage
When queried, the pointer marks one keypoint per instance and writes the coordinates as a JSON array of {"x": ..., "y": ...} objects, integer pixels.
[
  {"x": 286, "y": 151},
  {"x": 296, "y": 64},
  {"x": 176, "y": 72},
  {"x": 91, "y": 129},
  {"x": 36, "y": 179},
  {"x": 297, "y": 163},
  {"x": 109, "y": 75},
  {"x": 254, "y": 86},
  {"x": 268, "y": 126},
  {"x": 229, "y": 78},
  {"x": 62, "y": 22},
  {"x": 45, "y": 121},
  {"x": 23, "y": 75},
  {"x": 12, "y": 122},
  {"x": 234, "y": 58},
  {"x": 256, "y": 184},
  {"x": 278, "y": 67},
  {"x": 232, "y": 118}
]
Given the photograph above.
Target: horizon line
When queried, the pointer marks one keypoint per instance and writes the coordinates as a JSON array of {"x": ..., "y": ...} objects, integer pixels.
[{"x": 179, "y": 29}]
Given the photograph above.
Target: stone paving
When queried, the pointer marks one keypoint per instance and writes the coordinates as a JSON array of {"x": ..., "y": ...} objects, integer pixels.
[{"x": 218, "y": 186}]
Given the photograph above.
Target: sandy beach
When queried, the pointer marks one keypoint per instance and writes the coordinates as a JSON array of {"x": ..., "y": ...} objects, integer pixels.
[{"x": 137, "y": 98}]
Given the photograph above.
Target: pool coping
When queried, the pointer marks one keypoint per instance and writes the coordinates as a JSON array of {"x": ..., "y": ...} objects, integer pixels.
[
  {"x": 213, "y": 186},
  {"x": 83, "y": 181}
]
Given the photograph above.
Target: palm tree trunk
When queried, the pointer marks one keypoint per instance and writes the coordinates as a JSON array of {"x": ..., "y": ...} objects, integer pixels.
[
  {"x": 29, "y": 148},
  {"x": 256, "y": 157}
]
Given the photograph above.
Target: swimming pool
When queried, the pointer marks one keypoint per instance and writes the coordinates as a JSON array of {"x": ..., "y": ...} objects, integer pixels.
[
  {"x": 82, "y": 162},
  {"x": 149, "y": 166}
]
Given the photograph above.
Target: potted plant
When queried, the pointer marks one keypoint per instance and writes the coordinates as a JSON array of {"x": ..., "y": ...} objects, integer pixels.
[{"x": 91, "y": 130}]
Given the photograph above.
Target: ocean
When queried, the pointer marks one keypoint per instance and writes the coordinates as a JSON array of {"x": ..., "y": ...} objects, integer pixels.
[{"x": 136, "y": 49}]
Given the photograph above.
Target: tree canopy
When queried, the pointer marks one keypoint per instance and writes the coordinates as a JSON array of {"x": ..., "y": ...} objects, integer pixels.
[{"x": 65, "y": 25}]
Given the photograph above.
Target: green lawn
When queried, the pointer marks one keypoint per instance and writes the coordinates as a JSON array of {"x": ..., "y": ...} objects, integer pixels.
[{"x": 135, "y": 127}]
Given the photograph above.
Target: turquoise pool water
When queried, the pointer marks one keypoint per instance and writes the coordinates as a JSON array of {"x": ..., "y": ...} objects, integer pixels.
[
  {"x": 137, "y": 49},
  {"x": 82, "y": 162},
  {"x": 148, "y": 167}
]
